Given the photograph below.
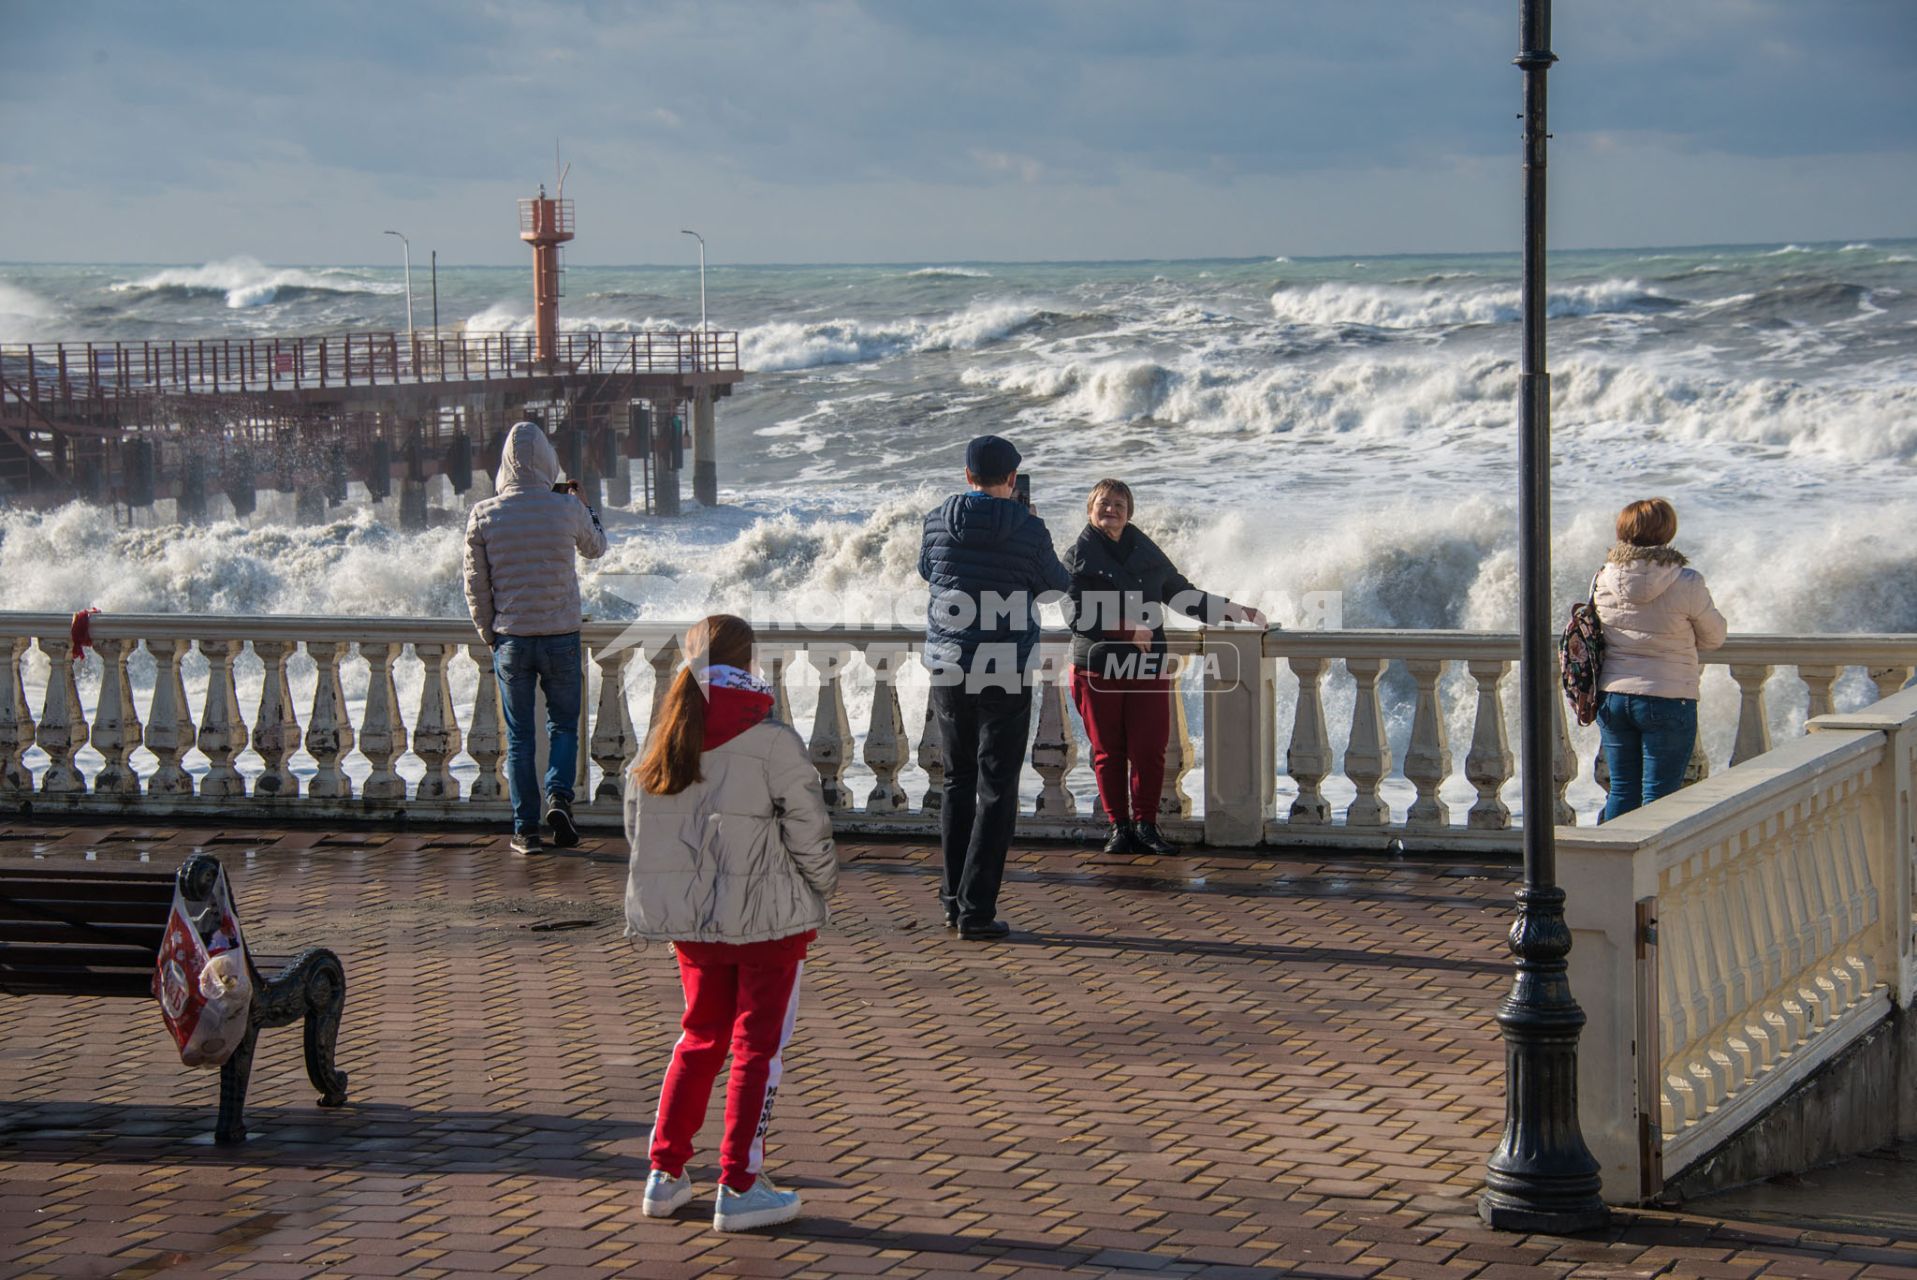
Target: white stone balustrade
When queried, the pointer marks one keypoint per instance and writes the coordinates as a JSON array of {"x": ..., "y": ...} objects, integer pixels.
[
  {"x": 1367, "y": 741},
  {"x": 1730, "y": 939}
]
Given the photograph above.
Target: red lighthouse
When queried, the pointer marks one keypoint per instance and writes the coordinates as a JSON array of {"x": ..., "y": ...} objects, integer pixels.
[{"x": 545, "y": 223}]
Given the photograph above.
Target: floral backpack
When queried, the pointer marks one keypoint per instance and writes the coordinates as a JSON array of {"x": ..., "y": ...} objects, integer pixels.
[{"x": 1581, "y": 656}]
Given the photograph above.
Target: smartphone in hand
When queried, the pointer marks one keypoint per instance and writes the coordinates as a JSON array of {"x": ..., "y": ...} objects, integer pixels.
[{"x": 1022, "y": 489}]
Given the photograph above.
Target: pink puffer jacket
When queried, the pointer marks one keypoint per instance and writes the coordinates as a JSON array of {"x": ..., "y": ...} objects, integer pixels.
[{"x": 1657, "y": 615}]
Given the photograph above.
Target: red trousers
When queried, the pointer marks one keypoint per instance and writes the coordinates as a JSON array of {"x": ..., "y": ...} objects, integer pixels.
[
  {"x": 1129, "y": 723},
  {"x": 738, "y": 998}
]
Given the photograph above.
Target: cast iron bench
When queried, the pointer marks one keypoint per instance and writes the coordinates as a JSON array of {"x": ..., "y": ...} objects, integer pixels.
[{"x": 94, "y": 929}]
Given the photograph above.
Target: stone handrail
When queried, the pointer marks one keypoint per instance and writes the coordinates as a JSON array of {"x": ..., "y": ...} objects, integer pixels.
[
  {"x": 1730, "y": 939},
  {"x": 320, "y": 757}
]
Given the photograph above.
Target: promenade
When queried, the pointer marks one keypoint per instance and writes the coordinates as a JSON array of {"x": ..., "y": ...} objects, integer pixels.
[{"x": 1230, "y": 1064}]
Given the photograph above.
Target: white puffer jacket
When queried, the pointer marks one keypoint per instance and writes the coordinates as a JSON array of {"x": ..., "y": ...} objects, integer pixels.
[
  {"x": 1657, "y": 615},
  {"x": 744, "y": 855},
  {"x": 520, "y": 575}
]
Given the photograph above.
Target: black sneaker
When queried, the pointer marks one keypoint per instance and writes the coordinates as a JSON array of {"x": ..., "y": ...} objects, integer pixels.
[
  {"x": 559, "y": 817},
  {"x": 1122, "y": 839},
  {"x": 1149, "y": 841},
  {"x": 984, "y": 931},
  {"x": 527, "y": 842}
]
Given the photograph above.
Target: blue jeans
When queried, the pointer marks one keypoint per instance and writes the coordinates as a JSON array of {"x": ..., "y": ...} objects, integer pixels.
[
  {"x": 552, "y": 661},
  {"x": 1647, "y": 745}
]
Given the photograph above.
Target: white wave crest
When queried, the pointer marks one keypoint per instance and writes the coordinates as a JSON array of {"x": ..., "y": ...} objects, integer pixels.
[
  {"x": 1790, "y": 248},
  {"x": 246, "y": 282},
  {"x": 507, "y": 317},
  {"x": 1401, "y": 307},
  {"x": 1428, "y": 402},
  {"x": 948, "y": 273},
  {"x": 786, "y": 345},
  {"x": 1857, "y": 246}
]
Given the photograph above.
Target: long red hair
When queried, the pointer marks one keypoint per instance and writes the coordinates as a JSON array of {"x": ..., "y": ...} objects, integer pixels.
[{"x": 678, "y": 735}]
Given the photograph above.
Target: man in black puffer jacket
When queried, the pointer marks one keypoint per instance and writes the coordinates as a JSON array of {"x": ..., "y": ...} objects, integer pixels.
[{"x": 988, "y": 560}]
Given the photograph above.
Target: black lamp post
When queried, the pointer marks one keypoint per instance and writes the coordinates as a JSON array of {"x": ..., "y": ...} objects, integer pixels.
[{"x": 1541, "y": 1177}]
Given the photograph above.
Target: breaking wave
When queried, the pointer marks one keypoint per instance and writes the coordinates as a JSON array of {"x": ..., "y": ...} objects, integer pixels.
[
  {"x": 245, "y": 282},
  {"x": 1400, "y": 307}
]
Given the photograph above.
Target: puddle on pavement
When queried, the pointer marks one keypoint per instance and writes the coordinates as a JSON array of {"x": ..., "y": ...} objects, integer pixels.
[{"x": 1872, "y": 1194}]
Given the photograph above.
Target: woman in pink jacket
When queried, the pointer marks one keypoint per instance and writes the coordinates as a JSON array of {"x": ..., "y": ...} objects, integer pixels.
[{"x": 1657, "y": 615}]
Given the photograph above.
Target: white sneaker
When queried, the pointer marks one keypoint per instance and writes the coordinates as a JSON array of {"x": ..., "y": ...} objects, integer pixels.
[
  {"x": 665, "y": 1196},
  {"x": 763, "y": 1206}
]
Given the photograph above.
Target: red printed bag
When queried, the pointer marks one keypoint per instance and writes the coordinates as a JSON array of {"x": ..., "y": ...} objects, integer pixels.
[{"x": 204, "y": 985}]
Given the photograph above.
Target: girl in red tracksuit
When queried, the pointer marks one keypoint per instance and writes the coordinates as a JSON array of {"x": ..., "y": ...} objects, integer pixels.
[{"x": 732, "y": 863}]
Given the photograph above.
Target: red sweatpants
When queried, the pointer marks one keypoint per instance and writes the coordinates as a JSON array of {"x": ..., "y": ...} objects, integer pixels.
[
  {"x": 1129, "y": 723},
  {"x": 743, "y": 998}
]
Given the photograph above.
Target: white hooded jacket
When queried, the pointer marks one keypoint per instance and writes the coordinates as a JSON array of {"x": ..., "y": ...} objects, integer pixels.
[
  {"x": 1657, "y": 615},
  {"x": 520, "y": 575}
]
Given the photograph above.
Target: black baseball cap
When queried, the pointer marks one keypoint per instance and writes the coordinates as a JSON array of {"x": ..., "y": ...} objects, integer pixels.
[{"x": 991, "y": 457}]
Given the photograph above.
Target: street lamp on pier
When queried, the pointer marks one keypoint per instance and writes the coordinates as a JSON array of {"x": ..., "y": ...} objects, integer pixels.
[
  {"x": 702, "y": 294},
  {"x": 406, "y": 251}
]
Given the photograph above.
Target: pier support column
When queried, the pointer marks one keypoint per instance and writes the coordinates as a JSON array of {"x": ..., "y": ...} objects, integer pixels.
[
  {"x": 705, "y": 450},
  {"x": 310, "y": 505},
  {"x": 412, "y": 504},
  {"x": 619, "y": 483},
  {"x": 190, "y": 507},
  {"x": 668, "y": 455}
]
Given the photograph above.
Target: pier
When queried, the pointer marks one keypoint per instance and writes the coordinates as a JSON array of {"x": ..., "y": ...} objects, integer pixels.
[{"x": 134, "y": 424}]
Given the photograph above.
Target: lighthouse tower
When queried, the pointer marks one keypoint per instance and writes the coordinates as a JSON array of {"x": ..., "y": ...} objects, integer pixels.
[{"x": 545, "y": 223}]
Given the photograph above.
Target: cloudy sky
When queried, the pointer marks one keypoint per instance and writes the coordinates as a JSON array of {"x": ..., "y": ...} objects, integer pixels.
[{"x": 936, "y": 130}]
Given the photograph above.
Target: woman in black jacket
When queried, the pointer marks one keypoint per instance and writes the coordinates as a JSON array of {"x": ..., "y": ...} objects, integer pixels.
[{"x": 1121, "y": 682}]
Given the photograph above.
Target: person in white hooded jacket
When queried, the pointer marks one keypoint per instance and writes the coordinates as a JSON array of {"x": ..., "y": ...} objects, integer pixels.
[
  {"x": 1657, "y": 615},
  {"x": 522, "y": 588}
]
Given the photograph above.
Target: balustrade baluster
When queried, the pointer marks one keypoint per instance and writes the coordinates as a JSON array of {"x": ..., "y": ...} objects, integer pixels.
[
  {"x": 774, "y": 665},
  {"x": 1681, "y": 1093},
  {"x": 1308, "y": 758},
  {"x": 1817, "y": 993},
  {"x": 1054, "y": 749},
  {"x": 1748, "y": 987},
  {"x": 329, "y": 731},
  {"x": 613, "y": 742},
  {"x": 1487, "y": 766},
  {"x": 436, "y": 736},
  {"x": 1733, "y": 1047},
  {"x": 1427, "y": 758},
  {"x": 116, "y": 721},
  {"x": 1851, "y": 873},
  {"x": 665, "y": 667},
  {"x": 1753, "y": 723},
  {"x": 169, "y": 726},
  {"x": 932, "y": 760},
  {"x": 63, "y": 722},
  {"x": 885, "y": 743},
  {"x": 1709, "y": 1075},
  {"x": 1890, "y": 679},
  {"x": 1822, "y": 682},
  {"x": 1367, "y": 753},
  {"x": 1564, "y": 764},
  {"x": 486, "y": 742},
  {"x": 222, "y": 730},
  {"x": 16, "y": 718},
  {"x": 1783, "y": 954},
  {"x": 1698, "y": 767},
  {"x": 382, "y": 731},
  {"x": 1833, "y": 911},
  {"x": 276, "y": 731},
  {"x": 1180, "y": 755},
  {"x": 831, "y": 732}
]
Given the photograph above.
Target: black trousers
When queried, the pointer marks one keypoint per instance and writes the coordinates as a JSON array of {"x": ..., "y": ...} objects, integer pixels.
[{"x": 985, "y": 733}]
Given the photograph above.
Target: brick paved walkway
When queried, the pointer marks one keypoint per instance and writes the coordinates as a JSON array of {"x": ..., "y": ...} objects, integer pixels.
[{"x": 1217, "y": 1065}]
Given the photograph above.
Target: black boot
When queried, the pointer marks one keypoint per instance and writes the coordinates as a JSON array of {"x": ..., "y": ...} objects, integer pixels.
[
  {"x": 1121, "y": 840},
  {"x": 1149, "y": 841}
]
